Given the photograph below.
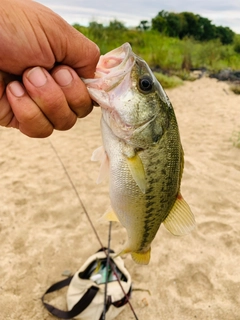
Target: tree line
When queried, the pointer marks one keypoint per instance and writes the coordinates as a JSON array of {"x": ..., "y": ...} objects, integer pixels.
[
  {"x": 188, "y": 24},
  {"x": 179, "y": 25}
]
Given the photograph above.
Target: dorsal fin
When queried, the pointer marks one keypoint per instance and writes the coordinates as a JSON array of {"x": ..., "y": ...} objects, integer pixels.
[{"x": 180, "y": 220}]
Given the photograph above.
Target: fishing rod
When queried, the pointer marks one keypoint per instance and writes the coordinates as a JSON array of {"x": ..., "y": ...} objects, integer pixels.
[{"x": 97, "y": 236}]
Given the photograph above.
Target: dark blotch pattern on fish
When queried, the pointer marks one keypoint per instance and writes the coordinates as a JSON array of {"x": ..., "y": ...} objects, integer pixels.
[{"x": 161, "y": 171}]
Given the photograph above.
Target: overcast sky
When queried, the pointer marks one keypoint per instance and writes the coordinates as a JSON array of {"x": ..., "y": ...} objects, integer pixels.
[{"x": 131, "y": 12}]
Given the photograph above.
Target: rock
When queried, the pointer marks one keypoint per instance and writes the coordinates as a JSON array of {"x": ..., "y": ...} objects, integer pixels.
[{"x": 226, "y": 75}]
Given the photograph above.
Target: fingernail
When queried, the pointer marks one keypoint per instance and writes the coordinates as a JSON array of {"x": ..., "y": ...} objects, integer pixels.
[
  {"x": 37, "y": 77},
  {"x": 16, "y": 89},
  {"x": 63, "y": 77}
]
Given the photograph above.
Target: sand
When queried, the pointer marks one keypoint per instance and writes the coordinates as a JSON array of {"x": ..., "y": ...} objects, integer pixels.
[{"x": 44, "y": 231}]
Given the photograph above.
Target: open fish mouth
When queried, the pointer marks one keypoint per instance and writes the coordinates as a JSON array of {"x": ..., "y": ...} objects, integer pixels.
[
  {"x": 114, "y": 61},
  {"x": 112, "y": 68}
]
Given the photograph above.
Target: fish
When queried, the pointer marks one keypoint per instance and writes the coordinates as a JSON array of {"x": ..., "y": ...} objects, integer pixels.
[{"x": 142, "y": 152}]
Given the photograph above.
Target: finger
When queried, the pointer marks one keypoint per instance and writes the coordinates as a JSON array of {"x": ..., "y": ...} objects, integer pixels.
[
  {"x": 74, "y": 90},
  {"x": 6, "y": 113},
  {"x": 78, "y": 52},
  {"x": 46, "y": 38},
  {"x": 2, "y": 84},
  {"x": 49, "y": 97},
  {"x": 27, "y": 116}
]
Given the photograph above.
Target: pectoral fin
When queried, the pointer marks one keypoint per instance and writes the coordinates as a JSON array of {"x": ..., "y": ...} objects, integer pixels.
[
  {"x": 180, "y": 220},
  {"x": 100, "y": 155},
  {"x": 137, "y": 170}
]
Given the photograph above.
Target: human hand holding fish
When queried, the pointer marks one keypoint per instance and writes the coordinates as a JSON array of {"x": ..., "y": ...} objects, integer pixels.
[
  {"x": 141, "y": 144},
  {"x": 42, "y": 59},
  {"x": 141, "y": 153}
]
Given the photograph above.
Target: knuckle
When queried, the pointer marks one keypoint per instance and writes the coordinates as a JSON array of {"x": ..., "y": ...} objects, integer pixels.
[
  {"x": 66, "y": 123},
  {"x": 40, "y": 132}
]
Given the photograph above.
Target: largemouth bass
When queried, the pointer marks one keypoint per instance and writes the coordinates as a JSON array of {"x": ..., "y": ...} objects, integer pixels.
[{"x": 141, "y": 153}]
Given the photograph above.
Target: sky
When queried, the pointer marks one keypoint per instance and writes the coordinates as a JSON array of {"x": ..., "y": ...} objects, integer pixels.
[{"x": 131, "y": 12}]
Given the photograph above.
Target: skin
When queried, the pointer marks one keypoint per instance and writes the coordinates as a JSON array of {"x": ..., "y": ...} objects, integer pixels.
[{"x": 42, "y": 59}]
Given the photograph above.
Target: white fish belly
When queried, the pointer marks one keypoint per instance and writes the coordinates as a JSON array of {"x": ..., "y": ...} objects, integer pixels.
[{"x": 127, "y": 200}]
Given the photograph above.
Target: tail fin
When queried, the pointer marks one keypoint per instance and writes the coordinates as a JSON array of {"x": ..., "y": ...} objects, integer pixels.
[
  {"x": 138, "y": 257},
  {"x": 141, "y": 257}
]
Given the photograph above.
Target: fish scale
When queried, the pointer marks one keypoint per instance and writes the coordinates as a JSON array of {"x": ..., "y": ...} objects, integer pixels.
[{"x": 142, "y": 151}]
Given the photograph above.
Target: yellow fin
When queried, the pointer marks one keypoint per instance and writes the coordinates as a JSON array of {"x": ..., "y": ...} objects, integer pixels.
[
  {"x": 137, "y": 170},
  {"x": 141, "y": 257},
  {"x": 138, "y": 257},
  {"x": 110, "y": 215},
  {"x": 100, "y": 155},
  {"x": 180, "y": 220},
  {"x": 121, "y": 253}
]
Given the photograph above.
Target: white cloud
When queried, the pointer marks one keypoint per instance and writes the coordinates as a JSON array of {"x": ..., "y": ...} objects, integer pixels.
[{"x": 131, "y": 12}]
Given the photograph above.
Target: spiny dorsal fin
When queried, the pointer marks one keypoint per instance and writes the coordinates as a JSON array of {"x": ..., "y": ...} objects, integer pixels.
[
  {"x": 180, "y": 220},
  {"x": 137, "y": 170},
  {"x": 100, "y": 155}
]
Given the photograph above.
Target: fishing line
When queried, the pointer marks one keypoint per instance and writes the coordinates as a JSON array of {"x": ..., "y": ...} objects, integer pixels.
[
  {"x": 75, "y": 190},
  {"x": 94, "y": 230},
  {"x": 107, "y": 267}
]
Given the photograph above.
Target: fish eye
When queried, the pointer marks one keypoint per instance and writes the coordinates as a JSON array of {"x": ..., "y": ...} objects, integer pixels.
[{"x": 145, "y": 84}]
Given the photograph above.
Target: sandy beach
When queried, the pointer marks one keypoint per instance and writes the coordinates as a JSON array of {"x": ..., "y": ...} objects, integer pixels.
[{"x": 44, "y": 231}]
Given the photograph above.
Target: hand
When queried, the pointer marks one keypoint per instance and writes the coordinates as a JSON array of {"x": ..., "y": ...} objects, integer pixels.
[{"x": 42, "y": 59}]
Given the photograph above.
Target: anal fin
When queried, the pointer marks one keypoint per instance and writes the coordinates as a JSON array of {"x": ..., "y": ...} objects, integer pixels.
[
  {"x": 180, "y": 220},
  {"x": 110, "y": 215}
]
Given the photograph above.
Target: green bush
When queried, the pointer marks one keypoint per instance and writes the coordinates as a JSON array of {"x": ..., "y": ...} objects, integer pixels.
[
  {"x": 166, "y": 53},
  {"x": 168, "y": 82},
  {"x": 236, "y": 44}
]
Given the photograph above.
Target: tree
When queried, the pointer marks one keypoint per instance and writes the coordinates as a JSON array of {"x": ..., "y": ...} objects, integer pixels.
[
  {"x": 116, "y": 25},
  {"x": 188, "y": 24},
  {"x": 207, "y": 29},
  {"x": 174, "y": 24},
  {"x": 225, "y": 34},
  {"x": 143, "y": 25},
  {"x": 189, "y": 27},
  {"x": 159, "y": 23},
  {"x": 168, "y": 23}
]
